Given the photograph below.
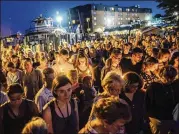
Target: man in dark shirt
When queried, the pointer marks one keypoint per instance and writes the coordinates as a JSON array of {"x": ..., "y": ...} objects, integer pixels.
[
  {"x": 32, "y": 79},
  {"x": 134, "y": 63}
]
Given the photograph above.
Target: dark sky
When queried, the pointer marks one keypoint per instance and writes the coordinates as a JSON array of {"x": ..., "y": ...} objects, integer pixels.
[{"x": 17, "y": 15}]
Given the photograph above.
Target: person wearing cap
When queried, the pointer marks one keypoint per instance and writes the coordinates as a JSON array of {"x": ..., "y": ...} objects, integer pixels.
[{"x": 17, "y": 111}]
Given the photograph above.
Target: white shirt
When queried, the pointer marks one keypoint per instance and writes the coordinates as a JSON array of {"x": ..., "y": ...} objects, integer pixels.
[{"x": 43, "y": 96}]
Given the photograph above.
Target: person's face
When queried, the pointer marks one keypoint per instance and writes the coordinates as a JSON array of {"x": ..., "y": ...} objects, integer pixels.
[
  {"x": 116, "y": 59},
  {"x": 14, "y": 60},
  {"x": 28, "y": 66},
  {"x": 153, "y": 67},
  {"x": 74, "y": 77},
  {"x": 133, "y": 87},
  {"x": 15, "y": 99},
  {"x": 49, "y": 79},
  {"x": 64, "y": 57},
  {"x": 88, "y": 83},
  {"x": 116, "y": 88},
  {"x": 82, "y": 61},
  {"x": 64, "y": 93},
  {"x": 74, "y": 49},
  {"x": 86, "y": 51},
  {"x": 10, "y": 69},
  {"x": 165, "y": 58},
  {"x": 127, "y": 48},
  {"x": 137, "y": 57},
  {"x": 44, "y": 63},
  {"x": 176, "y": 61}
]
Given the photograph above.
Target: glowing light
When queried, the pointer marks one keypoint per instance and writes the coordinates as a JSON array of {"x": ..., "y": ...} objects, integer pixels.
[{"x": 59, "y": 19}]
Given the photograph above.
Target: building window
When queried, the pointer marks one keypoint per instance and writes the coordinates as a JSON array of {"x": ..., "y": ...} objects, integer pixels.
[
  {"x": 127, "y": 9},
  {"x": 120, "y": 9},
  {"x": 121, "y": 18},
  {"x": 94, "y": 18},
  {"x": 128, "y": 18},
  {"x": 133, "y": 10},
  {"x": 95, "y": 23}
]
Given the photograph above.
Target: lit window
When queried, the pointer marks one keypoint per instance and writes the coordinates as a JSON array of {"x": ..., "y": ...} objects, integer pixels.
[
  {"x": 95, "y": 23},
  {"x": 121, "y": 18},
  {"x": 119, "y": 23},
  {"x": 128, "y": 18},
  {"x": 112, "y": 8},
  {"x": 94, "y": 18}
]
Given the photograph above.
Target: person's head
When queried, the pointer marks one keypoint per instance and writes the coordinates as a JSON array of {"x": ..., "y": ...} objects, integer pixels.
[
  {"x": 127, "y": 46},
  {"x": 74, "y": 48},
  {"x": 81, "y": 59},
  {"x": 36, "y": 126},
  {"x": 175, "y": 59},
  {"x": 137, "y": 54},
  {"x": 116, "y": 56},
  {"x": 10, "y": 67},
  {"x": 132, "y": 82},
  {"x": 61, "y": 88},
  {"x": 87, "y": 82},
  {"x": 64, "y": 55},
  {"x": 28, "y": 65},
  {"x": 155, "y": 52},
  {"x": 112, "y": 83},
  {"x": 112, "y": 111},
  {"x": 15, "y": 93},
  {"x": 48, "y": 76},
  {"x": 73, "y": 76},
  {"x": 150, "y": 64},
  {"x": 14, "y": 59},
  {"x": 164, "y": 55},
  {"x": 44, "y": 62},
  {"x": 168, "y": 74}
]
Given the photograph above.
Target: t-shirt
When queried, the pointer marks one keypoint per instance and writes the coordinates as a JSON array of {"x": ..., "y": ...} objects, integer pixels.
[{"x": 127, "y": 66}]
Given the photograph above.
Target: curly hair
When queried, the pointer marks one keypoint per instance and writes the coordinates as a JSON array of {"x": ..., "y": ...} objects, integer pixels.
[
  {"x": 109, "y": 79},
  {"x": 36, "y": 126},
  {"x": 112, "y": 109}
]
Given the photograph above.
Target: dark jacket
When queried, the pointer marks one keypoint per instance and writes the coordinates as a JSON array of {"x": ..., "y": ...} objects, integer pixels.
[{"x": 161, "y": 99}]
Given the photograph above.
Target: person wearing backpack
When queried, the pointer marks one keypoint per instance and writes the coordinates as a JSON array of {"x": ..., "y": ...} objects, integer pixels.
[{"x": 15, "y": 113}]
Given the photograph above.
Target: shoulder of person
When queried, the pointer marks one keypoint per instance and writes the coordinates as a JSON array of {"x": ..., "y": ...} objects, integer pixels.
[{"x": 48, "y": 105}]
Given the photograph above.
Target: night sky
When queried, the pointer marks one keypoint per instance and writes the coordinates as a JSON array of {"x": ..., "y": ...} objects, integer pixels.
[{"x": 17, "y": 15}]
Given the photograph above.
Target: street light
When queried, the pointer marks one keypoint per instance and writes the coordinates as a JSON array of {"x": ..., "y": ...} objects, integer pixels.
[{"x": 59, "y": 19}]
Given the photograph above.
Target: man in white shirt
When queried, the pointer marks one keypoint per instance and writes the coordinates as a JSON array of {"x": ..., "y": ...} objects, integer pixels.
[
  {"x": 63, "y": 66},
  {"x": 45, "y": 95}
]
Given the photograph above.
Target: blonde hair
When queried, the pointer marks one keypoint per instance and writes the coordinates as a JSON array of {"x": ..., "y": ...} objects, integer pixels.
[
  {"x": 109, "y": 79},
  {"x": 36, "y": 126}
]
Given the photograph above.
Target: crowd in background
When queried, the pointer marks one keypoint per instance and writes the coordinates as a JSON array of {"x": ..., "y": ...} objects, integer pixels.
[{"x": 108, "y": 86}]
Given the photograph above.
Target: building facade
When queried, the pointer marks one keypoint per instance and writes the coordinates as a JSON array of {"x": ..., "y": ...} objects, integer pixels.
[{"x": 97, "y": 17}]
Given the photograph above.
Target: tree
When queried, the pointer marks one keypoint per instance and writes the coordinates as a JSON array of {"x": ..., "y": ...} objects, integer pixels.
[{"x": 170, "y": 7}]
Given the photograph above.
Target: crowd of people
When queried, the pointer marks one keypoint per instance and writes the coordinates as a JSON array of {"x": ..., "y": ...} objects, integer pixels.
[{"x": 105, "y": 86}]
